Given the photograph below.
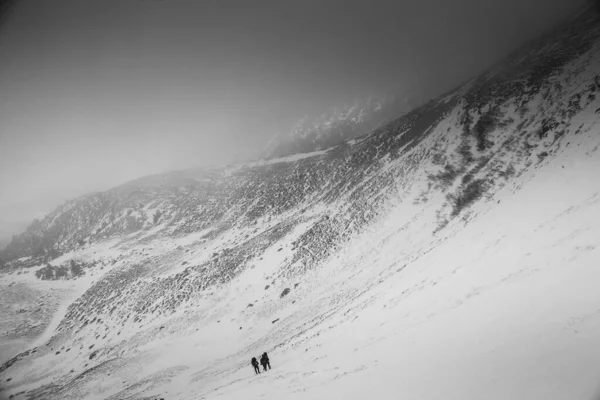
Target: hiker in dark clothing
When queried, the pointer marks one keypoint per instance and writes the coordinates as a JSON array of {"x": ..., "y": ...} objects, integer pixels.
[
  {"x": 255, "y": 365},
  {"x": 264, "y": 360}
]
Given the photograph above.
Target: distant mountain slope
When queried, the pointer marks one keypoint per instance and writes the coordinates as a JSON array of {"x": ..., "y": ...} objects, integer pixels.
[
  {"x": 275, "y": 254},
  {"x": 338, "y": 125}
]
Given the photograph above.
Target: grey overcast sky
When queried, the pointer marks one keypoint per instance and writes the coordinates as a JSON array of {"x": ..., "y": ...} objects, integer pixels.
[{"x": 95, "y": 93}]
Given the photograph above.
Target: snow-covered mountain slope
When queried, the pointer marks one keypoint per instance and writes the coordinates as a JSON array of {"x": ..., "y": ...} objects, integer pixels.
[
  {"x": 338, "y": 125},
  {"x": 452, "y": 253}
]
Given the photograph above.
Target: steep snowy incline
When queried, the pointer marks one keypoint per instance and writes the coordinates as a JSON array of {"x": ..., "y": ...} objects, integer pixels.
[
  {"x": 505, "y": 308},
  {"x": 451, "y": 253}
]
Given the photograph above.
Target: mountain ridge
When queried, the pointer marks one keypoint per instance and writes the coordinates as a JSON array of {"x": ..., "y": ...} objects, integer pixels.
[{"x": 339, "y": 124}]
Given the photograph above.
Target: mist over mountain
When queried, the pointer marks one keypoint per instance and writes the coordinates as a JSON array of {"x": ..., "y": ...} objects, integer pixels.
[{"x": 339, "y": 125}]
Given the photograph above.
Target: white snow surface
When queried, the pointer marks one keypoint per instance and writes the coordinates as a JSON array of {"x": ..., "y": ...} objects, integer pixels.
[{"x": 506, "y": 308}]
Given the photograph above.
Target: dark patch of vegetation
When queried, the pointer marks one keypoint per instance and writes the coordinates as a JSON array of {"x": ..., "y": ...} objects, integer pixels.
[
  {"x": 285, "y": 292},
  {"x": 481, "y": 163},
  {"x": 76, "y": 268},
  {"x": 548, "y": 124},
  {"x": 51, "y": 272},
  {"x": 465, "y": 151},
  {"x": 486, "y": 124},
  {"x": 467, "y": 178},
  {"x": 447, "y": 177},
  {"x": 466, "y": 122},
  {"x": 508, "y": 172},
  {"x": 441, "y": 224},
  {"x": 467, "y": 195},
  {"x": 438, "y": 159}
]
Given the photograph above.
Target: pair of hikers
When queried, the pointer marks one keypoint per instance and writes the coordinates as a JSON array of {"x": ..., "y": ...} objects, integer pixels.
[{"x": 264, "y": 360}]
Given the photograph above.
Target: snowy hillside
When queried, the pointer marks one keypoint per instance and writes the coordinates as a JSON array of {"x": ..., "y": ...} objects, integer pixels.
[{"x": 452, "y": 253}]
